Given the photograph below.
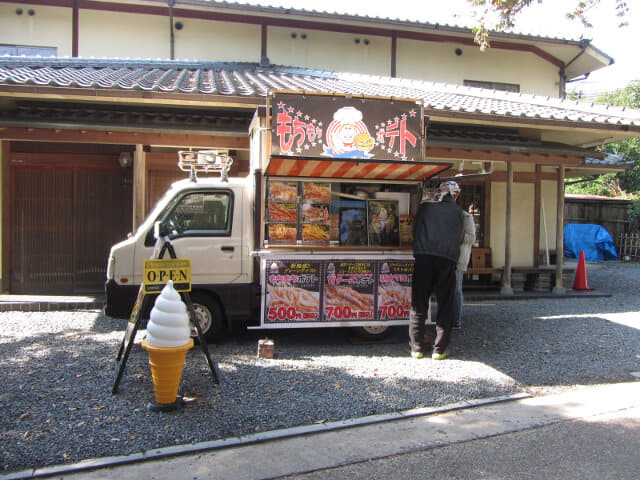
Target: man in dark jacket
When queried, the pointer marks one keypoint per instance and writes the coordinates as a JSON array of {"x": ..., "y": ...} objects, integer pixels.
[{"x": 438, "y": 234}]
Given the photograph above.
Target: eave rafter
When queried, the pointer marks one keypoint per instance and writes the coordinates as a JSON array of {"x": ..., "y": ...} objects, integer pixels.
[{"x": 117, "y": 137}]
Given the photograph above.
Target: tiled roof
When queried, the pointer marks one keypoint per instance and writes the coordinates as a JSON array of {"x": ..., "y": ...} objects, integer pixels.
[
  {"x": 610, "y": 159},
  {"x": 254, "y": 81}
]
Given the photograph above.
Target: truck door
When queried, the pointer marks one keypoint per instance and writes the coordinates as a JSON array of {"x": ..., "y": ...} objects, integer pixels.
[{"x": 206, "y": 226}]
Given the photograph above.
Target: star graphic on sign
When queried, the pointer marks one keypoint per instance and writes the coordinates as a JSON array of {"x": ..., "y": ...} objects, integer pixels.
[
  {"x": 404, "y": 116},
  {"x": 298, "y": 113},
  {"x": 306, "y": 117},
  {"x": 313, "y": 120},
  {"x": 290, "y": 109},
  {"x": 313, "y": 144},
  {"x": 281, "y": 105},
  {"x": 306, "y": 146},
  {"x": 412, "y": 113},
  {"x": 389, "y": 122},
  {"x": 298, "y": 149},
  {"x": 404, "y": 157},
  {"x": 396, "y": 154}
]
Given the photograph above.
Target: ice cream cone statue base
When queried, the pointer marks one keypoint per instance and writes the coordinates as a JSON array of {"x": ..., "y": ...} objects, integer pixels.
[{"x": 166, "y": 370}]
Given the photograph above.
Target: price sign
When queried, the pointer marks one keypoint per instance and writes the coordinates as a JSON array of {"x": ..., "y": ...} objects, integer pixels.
[
  {"x": 293, "y": 291},
  {"x": 349, "y": 290},
  {"x": 394, "y": 289}
]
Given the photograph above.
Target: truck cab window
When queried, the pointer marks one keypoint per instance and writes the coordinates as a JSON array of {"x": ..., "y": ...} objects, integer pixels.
[{"x": 201, "y": 213}]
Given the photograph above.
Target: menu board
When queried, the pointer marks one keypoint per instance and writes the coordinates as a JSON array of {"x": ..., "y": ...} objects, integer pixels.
[
  {"x": 293, "y": 291},
  {"x": 282, "y": 212},
  {"x": 305, "y": 290},
  {"x": 394, "y": 289},
  {"x": 383, "y": 223},
  {"x": 349, "y": 290},
  {"x": 283, "y": 191},
  {"x": 316, "y": 226},
  {"x": 317, "y": 192}
]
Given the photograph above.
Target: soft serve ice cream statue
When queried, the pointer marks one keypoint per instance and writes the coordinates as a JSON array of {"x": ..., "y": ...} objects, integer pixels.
[
  {"x": 168, "y": 324},
  {"x": 167, "y": 342}
]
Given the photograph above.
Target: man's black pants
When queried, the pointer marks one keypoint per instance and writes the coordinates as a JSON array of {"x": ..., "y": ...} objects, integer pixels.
[{"x": 437, "y": 276}]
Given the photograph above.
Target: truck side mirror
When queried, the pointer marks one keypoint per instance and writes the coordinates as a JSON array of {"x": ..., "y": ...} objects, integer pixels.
[{"x": 160, "y": 229}]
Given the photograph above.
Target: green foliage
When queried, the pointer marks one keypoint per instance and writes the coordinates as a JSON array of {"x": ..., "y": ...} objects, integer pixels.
[
  {"x": 634, "y": 216},
  {"x": 628, "y": 180},
  {"x": 623, "y": 184},
  {"x": 508, "y": 10},
  {"x": 592, "y": 186}
]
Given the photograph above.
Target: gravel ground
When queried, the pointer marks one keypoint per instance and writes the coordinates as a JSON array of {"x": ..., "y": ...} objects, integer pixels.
[{"x": 57, "y": 373}]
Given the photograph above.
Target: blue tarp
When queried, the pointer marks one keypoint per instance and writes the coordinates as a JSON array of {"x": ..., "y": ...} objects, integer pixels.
[{"x": 594, "y": 240}]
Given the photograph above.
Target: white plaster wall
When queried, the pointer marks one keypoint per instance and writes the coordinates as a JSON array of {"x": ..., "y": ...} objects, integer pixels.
[
  {"x": 329, "y": 51},
  {"x": 522, "y": 205},
  {"x": 109, "y": 34},
  {"x": 49, "y": 27},
  {"x": 217, "y": 41},
  {"x": 548, "y": 220},
  {"x": 438, "y": 62}
]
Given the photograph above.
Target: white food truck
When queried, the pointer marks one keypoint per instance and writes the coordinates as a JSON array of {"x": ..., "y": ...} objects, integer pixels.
[{"x": 319, "y": 234}]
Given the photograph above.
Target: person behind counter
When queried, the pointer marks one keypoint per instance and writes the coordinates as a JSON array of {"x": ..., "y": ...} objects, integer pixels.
[{"x": 438, "y": 235}]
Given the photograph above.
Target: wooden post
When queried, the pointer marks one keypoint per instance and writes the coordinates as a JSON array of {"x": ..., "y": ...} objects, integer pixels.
[
  {"x": 536, "y": 216},
  {"x": 559, "y": 288},
  {"x": 506, "y": 278},
  {"x": 139, "y": 185},
  {"x": 7, "y": 212}
]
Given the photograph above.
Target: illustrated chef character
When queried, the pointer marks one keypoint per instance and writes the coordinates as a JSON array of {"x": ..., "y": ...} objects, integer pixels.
[{"x": 348, "y": 136}]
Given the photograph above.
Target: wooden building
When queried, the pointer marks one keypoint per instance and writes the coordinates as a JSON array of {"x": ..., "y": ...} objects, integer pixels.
[{"x": 89, "y": 144}]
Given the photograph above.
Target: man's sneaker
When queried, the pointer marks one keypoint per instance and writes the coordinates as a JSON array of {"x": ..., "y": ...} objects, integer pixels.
[
  {"x": 439, "y": 356},
  {"x": 415, "y": 354}
]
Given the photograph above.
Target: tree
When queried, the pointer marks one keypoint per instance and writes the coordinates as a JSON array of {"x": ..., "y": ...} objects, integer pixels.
[
  {"x": 507, "y": 11},
  {"x": 622, "y": 184}
]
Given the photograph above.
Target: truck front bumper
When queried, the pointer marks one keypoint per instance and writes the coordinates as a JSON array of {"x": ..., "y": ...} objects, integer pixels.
[{"x": 119, "y": 299}]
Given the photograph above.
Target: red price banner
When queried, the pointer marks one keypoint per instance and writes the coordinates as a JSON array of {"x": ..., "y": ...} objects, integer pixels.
[
  {"x": 392, "y": 312},
  {"x": 285, "y": 314},
  {"x": 340, "y": 313}
]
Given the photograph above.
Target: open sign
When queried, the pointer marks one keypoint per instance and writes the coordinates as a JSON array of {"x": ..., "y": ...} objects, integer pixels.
[{"x": 157, "y": 272}]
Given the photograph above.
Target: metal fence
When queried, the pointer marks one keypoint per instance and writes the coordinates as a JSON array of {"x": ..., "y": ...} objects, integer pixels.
[{"x": 629, "y": 246}]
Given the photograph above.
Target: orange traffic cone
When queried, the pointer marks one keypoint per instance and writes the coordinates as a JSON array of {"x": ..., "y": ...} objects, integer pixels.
[{"x": 580, "y": 282}]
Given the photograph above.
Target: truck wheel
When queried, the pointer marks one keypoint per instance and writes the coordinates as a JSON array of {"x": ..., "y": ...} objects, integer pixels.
[
  {"x": 209, "y": 315},
  {"x": 373, "y": 332}
]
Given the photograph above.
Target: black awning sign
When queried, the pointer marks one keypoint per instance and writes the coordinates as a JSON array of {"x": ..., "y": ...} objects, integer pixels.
[{"x": 340, "y": 127}]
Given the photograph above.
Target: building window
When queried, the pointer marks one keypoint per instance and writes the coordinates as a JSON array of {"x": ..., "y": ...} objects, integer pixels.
[
  {"x": 28, "y": 51},
  {"x": 507, "y": 87}
]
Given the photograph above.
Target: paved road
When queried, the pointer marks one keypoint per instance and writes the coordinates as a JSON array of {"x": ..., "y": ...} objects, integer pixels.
[{"x": 581, "y": 433}]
